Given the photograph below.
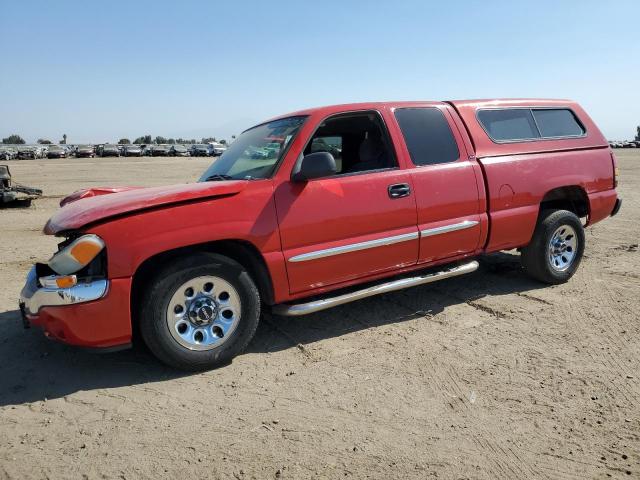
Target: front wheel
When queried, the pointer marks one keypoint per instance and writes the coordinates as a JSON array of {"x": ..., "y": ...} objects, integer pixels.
[
  {"x": 557, "y": 246},
  {"x": 199, "y": 312}
]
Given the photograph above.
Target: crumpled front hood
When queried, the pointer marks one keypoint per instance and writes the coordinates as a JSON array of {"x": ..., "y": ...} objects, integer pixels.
[
  {"x": 93, "y": 205},
  {"x": 93, "y": 192}
]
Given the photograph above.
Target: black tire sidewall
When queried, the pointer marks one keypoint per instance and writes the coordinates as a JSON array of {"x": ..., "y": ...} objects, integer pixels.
[
  {"x": 153, "y": 308},
  {"x": 551, "y": 221}
]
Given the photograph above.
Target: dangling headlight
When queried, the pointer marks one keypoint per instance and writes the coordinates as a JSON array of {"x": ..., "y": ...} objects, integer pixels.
[{"x": 77, "y": 255}]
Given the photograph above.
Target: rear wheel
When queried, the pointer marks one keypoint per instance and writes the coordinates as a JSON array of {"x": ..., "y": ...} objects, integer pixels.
[
  {"x": 556, "y": 249},
  {"x": 199, "y": 312}
]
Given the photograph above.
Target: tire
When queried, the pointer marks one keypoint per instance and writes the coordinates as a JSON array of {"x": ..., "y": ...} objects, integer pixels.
[
  {"x": 203, "y": 328},
  {"x": 556, "y": 249}
]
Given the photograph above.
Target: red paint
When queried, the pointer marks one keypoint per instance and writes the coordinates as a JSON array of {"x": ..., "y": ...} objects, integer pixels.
[
  {"x": 93, "y": 192},
  {"x": 500, "y": 186},
  {"x": 100, "y": 324}
]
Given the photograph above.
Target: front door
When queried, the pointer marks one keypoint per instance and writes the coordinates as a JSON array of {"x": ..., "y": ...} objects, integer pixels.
[{"x": 359, "y": 222}]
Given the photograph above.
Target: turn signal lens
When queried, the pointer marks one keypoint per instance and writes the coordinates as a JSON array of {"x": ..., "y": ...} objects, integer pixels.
[
  {"x": 54, "y": 281},
  {"x": 86, "y": 251},
  {"x": 76, "y": 255}
]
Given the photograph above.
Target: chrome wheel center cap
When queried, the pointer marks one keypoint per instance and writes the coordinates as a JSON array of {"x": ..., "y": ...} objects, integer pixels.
[{"x": 202, "y": 312}]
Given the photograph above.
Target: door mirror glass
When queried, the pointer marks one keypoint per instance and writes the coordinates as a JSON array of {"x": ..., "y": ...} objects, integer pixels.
[{"x": 314, "y": 165}]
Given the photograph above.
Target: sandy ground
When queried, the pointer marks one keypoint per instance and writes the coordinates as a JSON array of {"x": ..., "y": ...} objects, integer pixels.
[{"x": 489, "y": 376}]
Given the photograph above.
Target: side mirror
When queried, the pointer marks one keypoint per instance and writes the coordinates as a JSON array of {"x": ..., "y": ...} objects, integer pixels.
[{"x": 314, "y": 165}]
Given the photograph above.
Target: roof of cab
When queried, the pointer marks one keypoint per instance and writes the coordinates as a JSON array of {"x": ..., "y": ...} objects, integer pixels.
[{"x": 483, "y": 144}]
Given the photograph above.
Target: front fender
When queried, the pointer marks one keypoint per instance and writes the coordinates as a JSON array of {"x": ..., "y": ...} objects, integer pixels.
[{"x": 249, "y": 216}]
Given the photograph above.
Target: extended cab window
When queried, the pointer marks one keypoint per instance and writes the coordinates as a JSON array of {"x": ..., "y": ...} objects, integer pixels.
[
  {"x": 427, "y": 135},
  {"x": 358, "y": 141},
  {"x": 516, "y": 124}
]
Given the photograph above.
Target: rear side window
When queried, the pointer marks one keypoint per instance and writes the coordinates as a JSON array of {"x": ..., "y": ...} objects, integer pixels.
[
  {"x": 557, "y": 123},
  {"x": 509, "y": 125},
  {"x": 517, "y": 124},
  {"x": 427, "y": 135}
]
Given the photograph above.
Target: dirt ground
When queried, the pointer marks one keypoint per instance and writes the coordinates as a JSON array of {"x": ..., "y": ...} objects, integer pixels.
[{"x": 489, "y": 375}]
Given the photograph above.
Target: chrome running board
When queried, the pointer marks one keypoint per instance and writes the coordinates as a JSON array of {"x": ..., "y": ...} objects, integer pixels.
[{"x": 324, "y": 303}]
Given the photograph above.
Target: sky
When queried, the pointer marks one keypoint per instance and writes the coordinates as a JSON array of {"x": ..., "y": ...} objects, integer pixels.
[{"x": 100, "y": 71}]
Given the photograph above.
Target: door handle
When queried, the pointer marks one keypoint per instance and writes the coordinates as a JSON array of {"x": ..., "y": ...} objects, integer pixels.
[{"x": 399, "y": 190}]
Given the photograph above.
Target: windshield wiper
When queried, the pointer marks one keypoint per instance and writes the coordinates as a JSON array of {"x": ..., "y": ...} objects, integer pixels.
[{"x": 218, "y": 177}]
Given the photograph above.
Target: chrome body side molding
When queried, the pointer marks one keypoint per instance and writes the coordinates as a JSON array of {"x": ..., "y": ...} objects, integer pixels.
[
  {"x": 448, "y": 228},
  {"x": 398, "y": 284},
  {"x": 354, "y": 247}
]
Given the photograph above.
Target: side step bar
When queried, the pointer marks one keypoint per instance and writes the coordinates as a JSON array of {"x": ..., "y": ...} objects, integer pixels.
[{"x": 324, "y": 303}]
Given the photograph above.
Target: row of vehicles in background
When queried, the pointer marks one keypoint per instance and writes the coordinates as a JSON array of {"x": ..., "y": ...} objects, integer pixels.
[
  {"x": 631, "y": 144},
  {"x": 31, "y": 152}
]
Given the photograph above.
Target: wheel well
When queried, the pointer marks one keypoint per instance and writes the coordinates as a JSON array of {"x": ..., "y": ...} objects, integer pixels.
[
  {"x": 245, "y": 253},
  {"x": 572, "y": 198}
]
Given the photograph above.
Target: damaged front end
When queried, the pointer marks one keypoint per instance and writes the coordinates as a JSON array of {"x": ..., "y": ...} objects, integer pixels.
[{"x": 76, "y": 273}]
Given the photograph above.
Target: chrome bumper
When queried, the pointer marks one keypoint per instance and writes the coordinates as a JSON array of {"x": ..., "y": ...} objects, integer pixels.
[{"x": 34, "y": 297}]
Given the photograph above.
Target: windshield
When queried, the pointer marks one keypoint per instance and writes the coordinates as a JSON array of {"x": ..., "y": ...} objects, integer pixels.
[
  {"x": 179, "y": 148},
  {"x": 256, "y": 152}
]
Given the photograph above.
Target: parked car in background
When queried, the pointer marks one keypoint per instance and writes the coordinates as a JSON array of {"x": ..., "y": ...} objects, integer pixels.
[
  {"x": 216, "y": 149},
  {"x": 27, "y": 153},
  {"x": 257, "y": 153},
  {"x": 132, "y": 151},
  {"x": 8, "y": 153},
  {"x": 160, "y": 150},
  {"x": 110, "y": 150},
  {"x": 56, "y": 151},
  {"x": 85, "y": 151},
  {"x": 199, "y": 150},
  {"x": 178, "y": 151}
]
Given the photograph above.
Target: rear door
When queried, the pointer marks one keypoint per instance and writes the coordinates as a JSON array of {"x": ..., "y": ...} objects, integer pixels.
[
  {"x": 445, "y": 178},
  {"x": 357, "y": 223}
]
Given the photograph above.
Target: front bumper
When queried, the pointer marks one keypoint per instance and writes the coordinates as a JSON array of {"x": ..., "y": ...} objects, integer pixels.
[
  {"x": 34, "y": 297},
  {"x": 92, "y": 314}
]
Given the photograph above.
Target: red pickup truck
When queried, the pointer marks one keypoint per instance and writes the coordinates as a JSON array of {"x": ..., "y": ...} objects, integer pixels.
[{"x": 318, "y": 208}]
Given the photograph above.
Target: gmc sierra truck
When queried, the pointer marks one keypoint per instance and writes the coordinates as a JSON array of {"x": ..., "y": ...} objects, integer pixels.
[{"x": 343, "y": 202}]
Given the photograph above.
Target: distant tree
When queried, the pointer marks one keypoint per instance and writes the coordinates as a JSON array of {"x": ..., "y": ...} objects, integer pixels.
[
  {"x": 171, "y": 141},
  {"x": 209, "y": 140},
  {"x": 638, "y": 134},
  {"x": 160, "y": 140},
  {"x": 13, "y": 140},
  {"x": 44, "y": 141},
  {"x": 124, "y": 141},
  {"x": 143, "y": 140},
  {"x": 223, "y": 141}
]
